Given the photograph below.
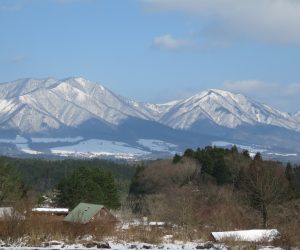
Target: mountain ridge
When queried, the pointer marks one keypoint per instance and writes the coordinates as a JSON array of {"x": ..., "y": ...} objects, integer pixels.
[
  {"x": 82, "y": 99},
  {"x": 76, "y": 107}
]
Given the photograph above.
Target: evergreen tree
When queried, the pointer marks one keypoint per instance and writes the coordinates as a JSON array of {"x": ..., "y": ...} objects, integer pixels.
[
  {"x": 234, "y": 149},
  {"x": 11, "y": 186},
  {"x": 176, "y": 158},
  {"x": 291, "y": 177},
  {"x": 91, "y": 185},
  {"x": 257, "y": 157},
  {"x": 189, "y": 153},
  {"x": 246, "y": 153},
  {"x": 221, "y": 172}
]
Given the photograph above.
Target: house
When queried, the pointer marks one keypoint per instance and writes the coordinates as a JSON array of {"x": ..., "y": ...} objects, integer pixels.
[
  {"x": 10, "y": 213},
  {"x": 84, "y": 213},
  {"x": 255, "y": 235},
  {"x": 50, "y": 211}
]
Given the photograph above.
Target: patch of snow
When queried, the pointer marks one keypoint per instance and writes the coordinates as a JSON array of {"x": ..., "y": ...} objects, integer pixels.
[
  {"x": 50, "y": 210},
  {"x": 25, "y": 148},
  {"x": 282, "y": 154},
  {"x": 95, "y": 148},
  {"x": 122, "y": 245},
  {"x": 256, "y": 235}
]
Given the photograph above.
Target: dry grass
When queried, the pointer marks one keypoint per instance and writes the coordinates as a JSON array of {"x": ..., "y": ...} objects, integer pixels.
[
  {"x": 196, "y": 214},
  {"x": 40, "y": 228}
]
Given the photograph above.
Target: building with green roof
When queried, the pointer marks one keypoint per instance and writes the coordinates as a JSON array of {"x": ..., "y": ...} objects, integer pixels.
[{"x": 85, "y": 212}]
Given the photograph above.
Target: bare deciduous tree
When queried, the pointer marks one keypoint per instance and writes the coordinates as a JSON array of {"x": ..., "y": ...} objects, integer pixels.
[{"x": 265, "y": 185}]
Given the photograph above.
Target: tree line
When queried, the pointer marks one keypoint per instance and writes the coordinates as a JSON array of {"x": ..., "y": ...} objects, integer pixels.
[
  {"x": 72, "y": 181},
  {"x": 260, "y": 183}
]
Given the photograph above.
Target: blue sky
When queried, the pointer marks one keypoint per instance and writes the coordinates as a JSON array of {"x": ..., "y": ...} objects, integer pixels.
[{"x": 158, "y": 50}]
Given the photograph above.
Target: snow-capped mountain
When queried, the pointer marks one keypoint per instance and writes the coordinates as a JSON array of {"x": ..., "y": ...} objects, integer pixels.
[
  {"x": 32, "y": 105},
  {"x": 77, "y": 114},
  {"x": 226, "y": 109}
]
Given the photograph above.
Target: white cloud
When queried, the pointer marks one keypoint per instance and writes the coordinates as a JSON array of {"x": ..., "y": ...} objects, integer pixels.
[
  {"x": 274, "y": 21},
  {"x": 283, "y": 96},
  {"x": 169, "y": 42}
]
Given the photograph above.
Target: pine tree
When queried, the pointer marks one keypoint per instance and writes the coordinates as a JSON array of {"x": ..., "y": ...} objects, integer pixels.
[{"x": 91, "y": 185}]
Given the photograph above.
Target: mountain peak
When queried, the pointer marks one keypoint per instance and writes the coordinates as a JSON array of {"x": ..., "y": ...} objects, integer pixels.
[{"x": 83, "y": 84}]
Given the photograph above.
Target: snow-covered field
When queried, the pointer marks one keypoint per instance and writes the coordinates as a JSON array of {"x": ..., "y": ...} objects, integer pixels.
[
  {"x": 95, "y": 148},
  {"x": 119, "y": 245},
  {"x": 104, "y": 148},
  {"x": 79, "y": 147},
  {"x": 25, "y": 148},
  {"x": 247, "y": 235}
]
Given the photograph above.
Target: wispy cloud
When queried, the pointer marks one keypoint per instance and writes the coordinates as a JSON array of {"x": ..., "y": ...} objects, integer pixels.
[
  {"x": 269, "y": 21},
  {"x": 283, "y": 96},
  {"x": 167, "y": 41}
]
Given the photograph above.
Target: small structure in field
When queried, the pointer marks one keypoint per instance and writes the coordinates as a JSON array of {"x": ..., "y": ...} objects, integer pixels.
[
  {"x": 8, "y": 213},
  {"x": 84, "y": 213},
  {"x": 256, "y": 235},
  {"x": 50, "y": 211}
]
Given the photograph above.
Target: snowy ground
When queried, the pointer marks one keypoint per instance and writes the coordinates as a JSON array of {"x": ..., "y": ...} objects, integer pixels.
[
  {"x": 96, "y": 148},
  {"x": 134, "y": 245},
  {"x": 25, "y": 148}
]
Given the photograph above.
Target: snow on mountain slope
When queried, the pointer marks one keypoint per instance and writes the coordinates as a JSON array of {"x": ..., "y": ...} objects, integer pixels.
[
  {"x": 38, "y": 105},
  {"x": 225, "y": 109},
  {"x": 21, "y": 87},
  {"x": 33, "y": 105}
]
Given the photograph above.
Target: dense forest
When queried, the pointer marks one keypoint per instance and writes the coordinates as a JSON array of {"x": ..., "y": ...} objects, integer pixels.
[
  {"x": 43, "y": 175},
  {"x": 68, "y": 181}
]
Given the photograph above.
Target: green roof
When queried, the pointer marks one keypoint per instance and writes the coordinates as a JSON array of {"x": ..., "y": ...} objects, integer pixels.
[{"x": 83, "y": 213}]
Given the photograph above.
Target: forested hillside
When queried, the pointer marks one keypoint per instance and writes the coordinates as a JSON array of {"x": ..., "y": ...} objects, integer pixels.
[{"x": 219, "y": 189}]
